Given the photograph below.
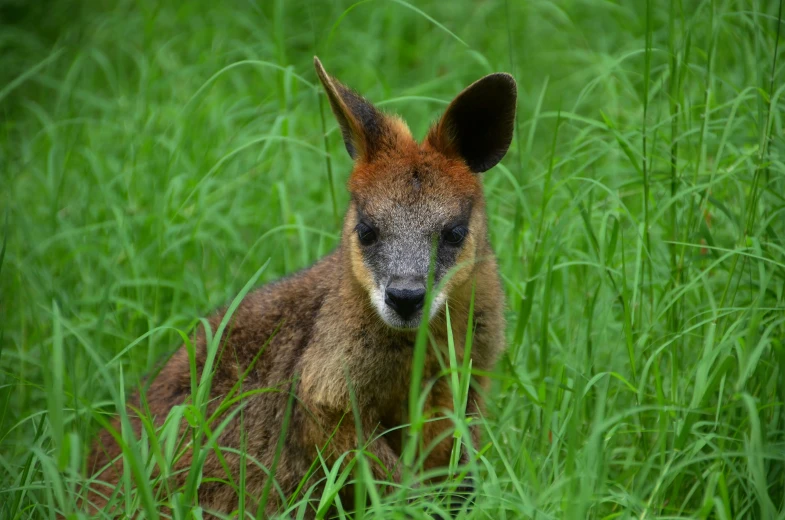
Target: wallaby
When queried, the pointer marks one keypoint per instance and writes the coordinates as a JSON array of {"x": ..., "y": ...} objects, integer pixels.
[{"x": 336, "y": 340}]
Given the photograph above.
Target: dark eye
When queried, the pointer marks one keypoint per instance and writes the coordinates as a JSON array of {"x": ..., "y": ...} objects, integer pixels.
[
  {"x": 366, "y": 234},
  {"x": 455, "y": 236}
]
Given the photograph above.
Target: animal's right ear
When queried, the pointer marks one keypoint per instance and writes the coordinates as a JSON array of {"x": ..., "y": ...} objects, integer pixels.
[
  {"x": 477, "y": 126},
  {"x": 362, "y": 125}
]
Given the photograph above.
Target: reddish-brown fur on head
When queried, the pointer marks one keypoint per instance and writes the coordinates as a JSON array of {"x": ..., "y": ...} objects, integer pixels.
[{"x": 386, "y": 174}]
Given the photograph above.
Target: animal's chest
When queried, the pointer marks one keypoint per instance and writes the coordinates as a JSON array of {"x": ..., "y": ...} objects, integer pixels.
[
  {"x": 387, "y": 384},
  {"x": 387, "y": 374},
  {"x": 390, "y": 385},
  {"x": 435, "y": 398}
]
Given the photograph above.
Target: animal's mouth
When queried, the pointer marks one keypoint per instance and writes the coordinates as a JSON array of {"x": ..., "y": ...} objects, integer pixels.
[{"x": 410, "y": 325}]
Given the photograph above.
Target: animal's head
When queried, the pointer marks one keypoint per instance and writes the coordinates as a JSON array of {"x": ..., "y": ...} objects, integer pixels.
[{"x": 409, "y": 197}]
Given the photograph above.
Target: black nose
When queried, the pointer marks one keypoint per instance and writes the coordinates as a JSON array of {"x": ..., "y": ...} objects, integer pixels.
[{"x": 405, "y": 301}]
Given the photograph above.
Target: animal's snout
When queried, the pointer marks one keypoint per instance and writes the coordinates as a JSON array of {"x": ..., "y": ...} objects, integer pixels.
[{"x": 405, "y": 299}]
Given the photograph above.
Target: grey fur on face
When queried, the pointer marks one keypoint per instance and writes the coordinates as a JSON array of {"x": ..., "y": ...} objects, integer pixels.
[{"x": 406, "y": 231}]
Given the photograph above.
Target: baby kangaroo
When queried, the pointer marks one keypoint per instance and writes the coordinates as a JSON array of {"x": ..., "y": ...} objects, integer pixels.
[{"x": 335, "y": 342}]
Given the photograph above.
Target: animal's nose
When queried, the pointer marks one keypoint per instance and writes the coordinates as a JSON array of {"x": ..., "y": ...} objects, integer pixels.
[{"x": 405, "y": 302}]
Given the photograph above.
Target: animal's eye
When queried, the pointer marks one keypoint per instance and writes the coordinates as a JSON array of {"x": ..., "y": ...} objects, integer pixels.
[
  {"x": 366, "y": 234},
  {"x": 456, "y": 235}
]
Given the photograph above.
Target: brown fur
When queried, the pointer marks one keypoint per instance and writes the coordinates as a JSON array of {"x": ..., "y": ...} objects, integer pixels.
[{"x": 322, "y": 328}]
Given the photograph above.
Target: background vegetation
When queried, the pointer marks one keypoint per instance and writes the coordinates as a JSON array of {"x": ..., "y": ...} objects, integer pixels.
[{"x": 153, "y": 155}]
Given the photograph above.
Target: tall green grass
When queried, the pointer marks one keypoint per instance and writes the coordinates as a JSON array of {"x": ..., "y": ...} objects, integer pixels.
[{"x": 157, "y": 155}]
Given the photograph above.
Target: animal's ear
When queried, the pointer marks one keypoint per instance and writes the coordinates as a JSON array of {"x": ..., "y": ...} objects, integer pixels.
[
  {"x": 477, "y": 126},
  {"x": 362, "y": 125}
]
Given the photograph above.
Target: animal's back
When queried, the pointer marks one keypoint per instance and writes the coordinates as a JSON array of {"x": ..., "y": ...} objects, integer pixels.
[{"x": 258, "y": 354}]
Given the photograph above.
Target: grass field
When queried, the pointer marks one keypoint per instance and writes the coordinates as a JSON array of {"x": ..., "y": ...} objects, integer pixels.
[{"x": 154, "y": 156}]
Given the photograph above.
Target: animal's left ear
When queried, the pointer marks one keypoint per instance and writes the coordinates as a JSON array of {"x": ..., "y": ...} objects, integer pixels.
[
  {"x": 364, "y": 129},
  {"x": 477, "y": 126}
]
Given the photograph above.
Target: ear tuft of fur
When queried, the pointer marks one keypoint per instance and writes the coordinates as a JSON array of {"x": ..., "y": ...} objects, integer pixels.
[{"x": 478, "y": 124}]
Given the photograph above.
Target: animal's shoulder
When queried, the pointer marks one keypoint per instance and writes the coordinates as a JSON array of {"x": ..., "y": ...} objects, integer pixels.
[{"x": 272, "y": 325}]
